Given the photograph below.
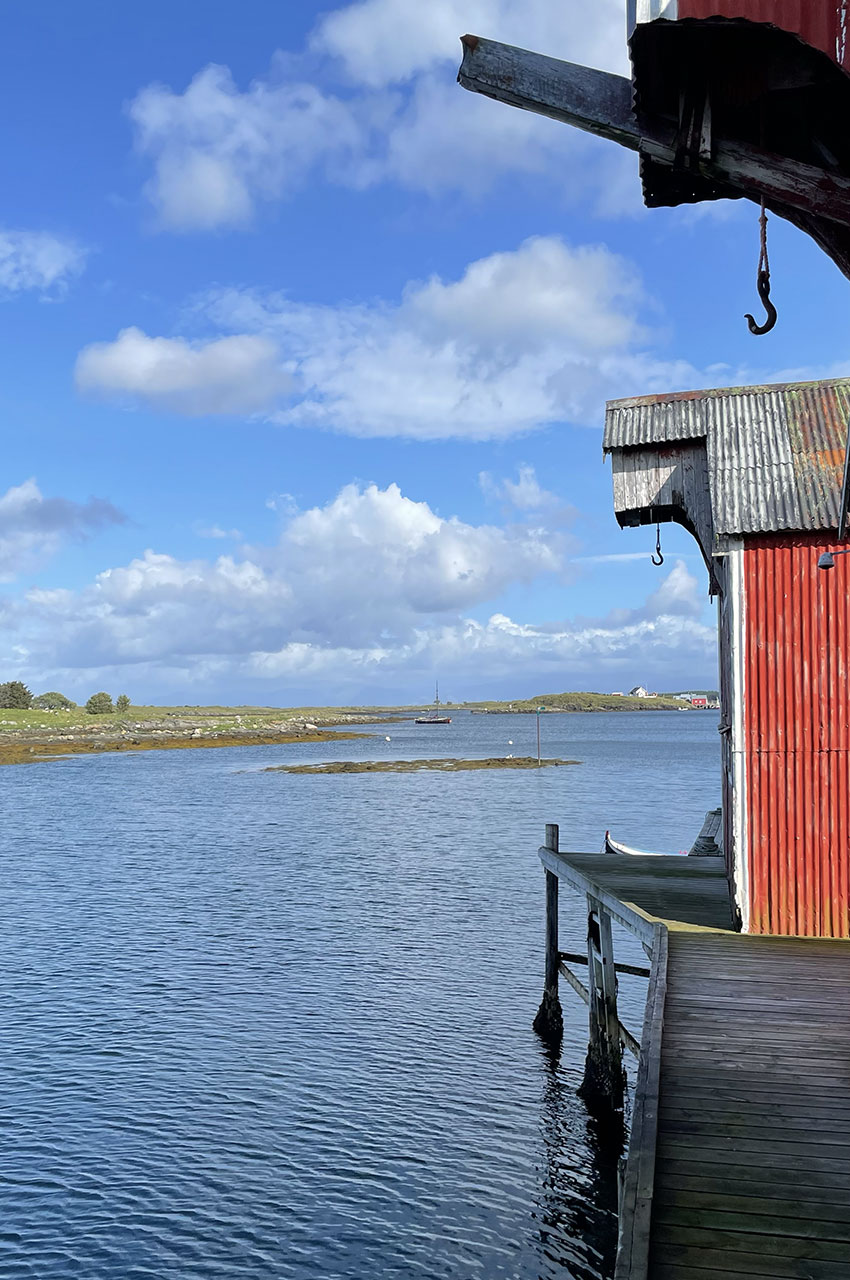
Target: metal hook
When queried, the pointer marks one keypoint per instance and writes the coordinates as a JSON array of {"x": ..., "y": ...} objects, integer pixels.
[
  {"x": 660, "y": 559},
  {"x": 764, "y": 294}
]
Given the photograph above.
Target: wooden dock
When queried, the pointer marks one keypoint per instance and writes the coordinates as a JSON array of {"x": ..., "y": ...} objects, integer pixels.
[
  {"x": 739, "y": 1156},
  {"x": 752, "y": 1167}
]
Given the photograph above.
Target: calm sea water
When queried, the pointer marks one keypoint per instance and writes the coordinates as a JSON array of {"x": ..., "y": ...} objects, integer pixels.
[{"x": 259, "y": 1025}]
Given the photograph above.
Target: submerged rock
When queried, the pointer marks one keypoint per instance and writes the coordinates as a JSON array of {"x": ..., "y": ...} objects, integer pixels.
[{"x": 412, "y": 766}]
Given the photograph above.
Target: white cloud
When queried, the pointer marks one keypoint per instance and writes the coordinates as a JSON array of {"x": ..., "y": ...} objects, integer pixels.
[
  {"x": 364, "y": 572},
  {"x": 32, "y": 527},
  {"x": 370, "y": 592},
  {"x": 680, "y": 593},
  {"x": 499, "y": 654},
  {"x": 163, "y": 625},
  {"x": 382, "y": 42},
  {"x": 284, "y": 503},
  {"x": 523, "y": 339},
  {"x": 525, "y": 494},
  {"x": 216, "y": 532},
  {"x": 234, "y": 375},
  {"x": 219, "y": 152},
  {"x": 38, "y": 261},
  {"x": 443, "y": 139},
  {"x": 543, "y": 292}
]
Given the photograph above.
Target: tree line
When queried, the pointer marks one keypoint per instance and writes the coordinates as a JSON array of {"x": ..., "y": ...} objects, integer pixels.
[{"x": 15, "y": 696}]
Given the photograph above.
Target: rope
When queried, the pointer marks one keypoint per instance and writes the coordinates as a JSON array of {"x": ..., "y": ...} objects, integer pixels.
[{"x": 763, "y": 280}]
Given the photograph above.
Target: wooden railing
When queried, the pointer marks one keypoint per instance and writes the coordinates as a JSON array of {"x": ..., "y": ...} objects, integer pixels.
[
  {"x": 605, "y": 1080},
  {"x": 639, "y": 1176}
]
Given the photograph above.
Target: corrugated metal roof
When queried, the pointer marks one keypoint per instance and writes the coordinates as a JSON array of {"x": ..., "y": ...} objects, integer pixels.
[{"x": 775, "y": 453}]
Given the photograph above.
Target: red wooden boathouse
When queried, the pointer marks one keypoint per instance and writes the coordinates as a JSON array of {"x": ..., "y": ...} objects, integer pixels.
[
  {"x": 755, "y": 474},
  {"x": 740, "y": 1111}
]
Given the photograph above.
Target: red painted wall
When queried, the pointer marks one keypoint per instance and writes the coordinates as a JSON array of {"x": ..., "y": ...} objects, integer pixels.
[
  {"x": 822, "y": 23},
  {"x": 797, "y": 737}
]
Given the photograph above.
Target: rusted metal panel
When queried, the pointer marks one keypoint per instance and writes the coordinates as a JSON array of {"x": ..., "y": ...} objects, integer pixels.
[
  {"x": 797, "y": 738},
  {"x": 821, "y": 23},
  {"x": 775, "y": 453}
]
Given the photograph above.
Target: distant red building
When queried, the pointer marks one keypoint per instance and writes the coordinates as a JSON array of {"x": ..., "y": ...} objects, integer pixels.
[{"x": 754, "y": 473}]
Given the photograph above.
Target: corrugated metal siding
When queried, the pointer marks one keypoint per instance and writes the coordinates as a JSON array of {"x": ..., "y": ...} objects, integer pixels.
[
  {"x": 822, "y": 23},
  {"x": 797, "y": 738},
  {"x": 775, "y": 454},
  {"x": 654, "y": 420}
]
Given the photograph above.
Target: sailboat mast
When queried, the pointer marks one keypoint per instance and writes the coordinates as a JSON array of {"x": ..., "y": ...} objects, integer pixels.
[{"x": 437, "y": 694}]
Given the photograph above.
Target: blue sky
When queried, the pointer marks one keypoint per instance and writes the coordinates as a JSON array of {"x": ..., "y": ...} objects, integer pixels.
[{"x": 305, "y": 353}]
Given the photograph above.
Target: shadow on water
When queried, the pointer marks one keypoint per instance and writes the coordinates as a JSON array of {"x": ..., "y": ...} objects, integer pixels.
[{"x": 577, "y": 1208}]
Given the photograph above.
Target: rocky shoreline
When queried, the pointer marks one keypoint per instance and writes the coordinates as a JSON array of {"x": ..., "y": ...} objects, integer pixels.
[{"x": 29, "y": 745}]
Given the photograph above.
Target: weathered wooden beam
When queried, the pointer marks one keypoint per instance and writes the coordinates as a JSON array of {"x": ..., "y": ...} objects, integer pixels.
[
  {"x": 634, "y": 969},
  {"x": 626, "y": 1037},
  {"x": 577, "y": 985},
  {"x": 595, "y": 101},
  {"x": 549, "y": 1021},
  {"x": 604, "y": 1078},
  {"x": 601, "y": 103},
  {"x": 639, "y": 1183},
  {"x": 629, "y": 1042}
]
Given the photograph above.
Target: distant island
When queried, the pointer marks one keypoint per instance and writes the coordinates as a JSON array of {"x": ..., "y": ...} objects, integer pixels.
[{"x": 704, "y": 699}]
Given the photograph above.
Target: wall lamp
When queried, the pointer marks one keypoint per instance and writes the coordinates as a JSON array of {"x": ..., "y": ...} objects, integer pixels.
[{"x": 827, "y": 560}]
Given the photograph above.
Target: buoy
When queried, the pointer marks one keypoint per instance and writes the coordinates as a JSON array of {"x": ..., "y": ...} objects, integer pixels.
[
  {"x": 389, "y": 739},
  {"x": 510, "y": 742}
]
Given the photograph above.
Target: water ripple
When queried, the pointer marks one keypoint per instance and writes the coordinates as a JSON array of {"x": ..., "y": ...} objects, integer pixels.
[{"x": 259, "y": 1025}]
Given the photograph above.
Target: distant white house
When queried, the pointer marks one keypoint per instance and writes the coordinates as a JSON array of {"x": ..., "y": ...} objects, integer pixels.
[{"x": 640, "y": 692}]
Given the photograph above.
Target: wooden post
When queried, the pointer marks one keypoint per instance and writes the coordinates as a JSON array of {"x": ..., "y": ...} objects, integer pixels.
[
  {"x": 549, "y": 1021},
  {"x": 604, "y": 1078}
]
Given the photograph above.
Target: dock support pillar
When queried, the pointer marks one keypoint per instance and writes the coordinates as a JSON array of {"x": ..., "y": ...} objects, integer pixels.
[
  {"x": 604, "y": 1077},
  {"x": 549, "y": 1022}
]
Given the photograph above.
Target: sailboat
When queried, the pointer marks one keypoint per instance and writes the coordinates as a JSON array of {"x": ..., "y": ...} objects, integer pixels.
[{"x": 434, "y": 716}]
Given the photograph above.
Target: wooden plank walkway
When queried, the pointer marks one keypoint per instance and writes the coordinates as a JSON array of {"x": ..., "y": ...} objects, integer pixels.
[
  {"x": 752, "y": 1169},
  {"x": 739, "y": 1160},
  {"x": 671, "y": 887}
]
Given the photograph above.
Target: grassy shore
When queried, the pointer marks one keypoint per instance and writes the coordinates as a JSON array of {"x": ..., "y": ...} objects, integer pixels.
[
  {"x": 28, "y": 737},
  {"x": 208, "y": 719}
]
